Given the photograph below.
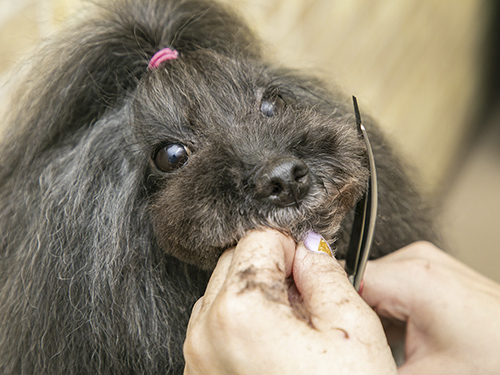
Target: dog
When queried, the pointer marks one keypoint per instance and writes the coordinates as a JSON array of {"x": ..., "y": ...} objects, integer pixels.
[{"x": 124, "y": 177}]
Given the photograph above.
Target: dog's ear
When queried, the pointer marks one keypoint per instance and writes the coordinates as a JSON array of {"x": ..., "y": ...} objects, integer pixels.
[{"x": 90, "y": 68}]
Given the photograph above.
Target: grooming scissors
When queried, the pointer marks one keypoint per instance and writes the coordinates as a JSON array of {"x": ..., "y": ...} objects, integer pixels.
[{"x": 364, "y": 218}]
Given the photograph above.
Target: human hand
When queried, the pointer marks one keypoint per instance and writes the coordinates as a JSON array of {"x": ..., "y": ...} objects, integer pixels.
[
  {"x": 452, "y": 313},
  {"x": 272, "y": 307}
]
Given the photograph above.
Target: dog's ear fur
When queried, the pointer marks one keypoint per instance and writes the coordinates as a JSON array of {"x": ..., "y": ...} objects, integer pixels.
[{"x": 91, "y": 67}]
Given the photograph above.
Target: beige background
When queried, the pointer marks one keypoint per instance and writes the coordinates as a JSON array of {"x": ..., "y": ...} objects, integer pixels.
[{"x": 415, "y": 65}]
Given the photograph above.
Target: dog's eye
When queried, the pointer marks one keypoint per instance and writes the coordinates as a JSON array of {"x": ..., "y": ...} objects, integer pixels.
[
  {"x": 271, "y": 104},
  {"x": 170, "y": 157}
]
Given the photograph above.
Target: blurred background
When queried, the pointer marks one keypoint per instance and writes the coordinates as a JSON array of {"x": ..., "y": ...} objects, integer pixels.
[{"x": 427, "y": 70}]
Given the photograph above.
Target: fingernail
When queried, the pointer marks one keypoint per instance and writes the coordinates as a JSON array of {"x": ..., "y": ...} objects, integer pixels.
[{"x": 316, "y": 243}]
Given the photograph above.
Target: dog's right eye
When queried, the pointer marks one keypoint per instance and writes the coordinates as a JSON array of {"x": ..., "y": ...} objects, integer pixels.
[
  {"x": 272, "y": 102},
  {"x": 170, "y": 157}
]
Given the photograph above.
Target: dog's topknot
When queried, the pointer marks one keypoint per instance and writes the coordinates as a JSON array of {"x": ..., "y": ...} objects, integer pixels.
[{"x": 96, "y": 61}]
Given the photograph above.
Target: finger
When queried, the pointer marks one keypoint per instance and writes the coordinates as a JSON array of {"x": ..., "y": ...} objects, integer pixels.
[
  {"x": 217, "y": 279},
  {"x": 195, "y": 312},
  {"x": 326, "y": 291},
  {"x": 385, "y": 291},
  {"x": 396, "y": 284},
  {"x": 262, "y": 260}
]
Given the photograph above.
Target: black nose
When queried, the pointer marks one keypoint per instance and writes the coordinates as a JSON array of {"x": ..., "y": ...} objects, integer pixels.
[{"x": 283, "y": 182}]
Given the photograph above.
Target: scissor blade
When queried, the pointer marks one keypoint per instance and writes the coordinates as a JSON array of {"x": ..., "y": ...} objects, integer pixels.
[
  {"x": 365, "y": 216},
  {"x": 370, "y": 215}
]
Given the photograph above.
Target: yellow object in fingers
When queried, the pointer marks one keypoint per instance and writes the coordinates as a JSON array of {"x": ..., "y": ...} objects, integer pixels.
[
  {"x": 316, "y": 243},
  {"x": 323, "y": 247}
]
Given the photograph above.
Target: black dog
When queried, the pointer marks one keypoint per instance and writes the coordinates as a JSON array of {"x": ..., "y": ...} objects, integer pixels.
[{"x": 120, "y": 186}]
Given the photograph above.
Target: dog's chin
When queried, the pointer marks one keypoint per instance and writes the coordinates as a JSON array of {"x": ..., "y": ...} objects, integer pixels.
[
  {"x": 205, "y": 255},
  {"x": 201, "y": 239}
]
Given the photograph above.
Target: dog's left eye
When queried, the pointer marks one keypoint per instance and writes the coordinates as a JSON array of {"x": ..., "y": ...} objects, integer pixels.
[
  {"x": 170, "y": 157},
  {"x": 271, "y": 104}
]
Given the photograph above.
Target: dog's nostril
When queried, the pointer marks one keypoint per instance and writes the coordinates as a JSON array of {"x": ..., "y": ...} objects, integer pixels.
[
  {"x": 283, "y": 182},
  {"x": 300, "y": 171},
  {"x": 277, "y": 188}
]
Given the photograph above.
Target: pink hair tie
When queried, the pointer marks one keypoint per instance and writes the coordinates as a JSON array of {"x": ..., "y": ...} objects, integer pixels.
[{"x": 161, "y": 56}]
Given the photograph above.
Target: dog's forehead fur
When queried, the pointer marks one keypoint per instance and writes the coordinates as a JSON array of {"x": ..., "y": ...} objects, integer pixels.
[{"x": 206, "y": 97}]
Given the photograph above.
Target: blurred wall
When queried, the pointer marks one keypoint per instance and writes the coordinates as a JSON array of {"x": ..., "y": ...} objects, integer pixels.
[{"x": 23, "y": 23}]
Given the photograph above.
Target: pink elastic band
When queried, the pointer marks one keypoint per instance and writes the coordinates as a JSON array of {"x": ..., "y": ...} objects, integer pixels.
[{"x": 161, "y": 56}]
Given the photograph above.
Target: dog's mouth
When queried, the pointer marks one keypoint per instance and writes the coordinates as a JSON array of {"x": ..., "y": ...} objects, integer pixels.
[
  {"x": 298, "y": 237},
  {"x": 324, "y": 215}
]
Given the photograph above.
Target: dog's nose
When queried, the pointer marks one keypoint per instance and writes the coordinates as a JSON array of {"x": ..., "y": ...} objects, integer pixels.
[{"x": 283, "y": 182}]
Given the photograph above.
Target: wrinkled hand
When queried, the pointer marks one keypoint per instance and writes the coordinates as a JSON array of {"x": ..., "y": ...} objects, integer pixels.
[
  {"x": 272, "y": 307},
  {"x": 452, "y": 313}
]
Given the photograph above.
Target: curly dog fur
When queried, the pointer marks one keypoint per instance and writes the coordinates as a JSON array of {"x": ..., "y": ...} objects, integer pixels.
[{"x": 104, "y": 248}]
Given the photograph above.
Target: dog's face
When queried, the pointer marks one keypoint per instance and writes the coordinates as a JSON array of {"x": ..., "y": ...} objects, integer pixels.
[{"x": 236, "y": 145}]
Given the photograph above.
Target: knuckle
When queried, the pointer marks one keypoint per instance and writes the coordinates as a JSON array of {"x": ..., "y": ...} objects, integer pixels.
[
  {"x": 227, "y": 255},
  {"x": 415, "y": 267},
  {"x": 228, "y": 314},
  {"x": 424, "y": 249},
  {"x": 417, "y": 256},
  {"x": 424, "y": 255},
  {"x": 193, "y": 348}
]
